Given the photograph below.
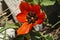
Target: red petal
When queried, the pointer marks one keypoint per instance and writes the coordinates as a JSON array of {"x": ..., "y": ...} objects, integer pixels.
[
  {"x": 41, "y": 15},
  {"x": 24, "y": 29},
  {"x": 36, "y": 8},
  {"x": 25, "y": 6},
  {"x": 41, "y": 18},
  {"x": 39, "y": 21},
  {"x": 21, "y": 17}
]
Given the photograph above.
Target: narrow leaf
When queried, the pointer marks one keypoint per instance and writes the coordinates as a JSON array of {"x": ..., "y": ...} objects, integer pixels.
[{"x": 47, "y": 2}]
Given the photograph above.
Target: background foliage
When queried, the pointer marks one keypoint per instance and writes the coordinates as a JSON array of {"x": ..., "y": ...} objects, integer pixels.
[{"x": 51, "y": 7}]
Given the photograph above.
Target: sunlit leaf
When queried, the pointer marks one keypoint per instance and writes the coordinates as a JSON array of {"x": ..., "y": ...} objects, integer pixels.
[
  {"x": 35, "y": 1},
  {"x": 47, "y": 2},
  {"x": 11, "y": 25}
]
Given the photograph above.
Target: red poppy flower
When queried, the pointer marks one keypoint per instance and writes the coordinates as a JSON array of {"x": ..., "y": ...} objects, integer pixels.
[{"x": 30, "y": 16}]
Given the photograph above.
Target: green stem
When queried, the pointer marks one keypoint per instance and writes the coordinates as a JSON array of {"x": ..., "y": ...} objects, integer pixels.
[
  {"x": 55, "y": 24},
  {"x": 47, "y": 21},
  {"x": 38, "y": 2},
  {"x": 27, "y": 36},
  {"x": 1, "y": 30},
  {"x": 4, "y": 35}
]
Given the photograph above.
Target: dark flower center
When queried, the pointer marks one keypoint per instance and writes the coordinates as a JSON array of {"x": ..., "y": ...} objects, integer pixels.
[{"x": 31, "y": 17}]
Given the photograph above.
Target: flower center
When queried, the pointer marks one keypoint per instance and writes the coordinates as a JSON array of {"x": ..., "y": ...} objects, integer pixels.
[{"x": 31, "y": 17}]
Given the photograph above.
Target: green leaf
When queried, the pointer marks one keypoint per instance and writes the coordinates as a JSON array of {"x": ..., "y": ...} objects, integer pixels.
[
  {"x": 47, "y": 2},
  {"x": 11, "y": 25},
  {"x": 7, "y": 26},
  {"x": 49, "y": 37},
  {"x": 19, "y": 37},
  {"x": 35, "y": 35},
  {"x": 28, "y": 0},
  {"x": 27, "y": 36},
  {"x": 35, "y": 1},
  {"x": 58, "y": 1}
]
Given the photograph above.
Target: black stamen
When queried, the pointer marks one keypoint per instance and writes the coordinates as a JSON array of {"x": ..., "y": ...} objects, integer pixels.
[
  {"x": 34, "y": 15},
  {"x": 33, "y": 21},
  {"x": 28, "y": 17},
  {"x": 31, "y": 17},
  {"x": 30, "y": 14},
  {"x": 29, "y": 20},
  {"x": 36, "y": 18}
]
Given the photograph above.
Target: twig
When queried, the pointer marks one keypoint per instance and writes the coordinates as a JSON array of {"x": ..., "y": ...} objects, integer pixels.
[
  {"x": 4, "y": 12},
  {"x": 55, "y": 24}
]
